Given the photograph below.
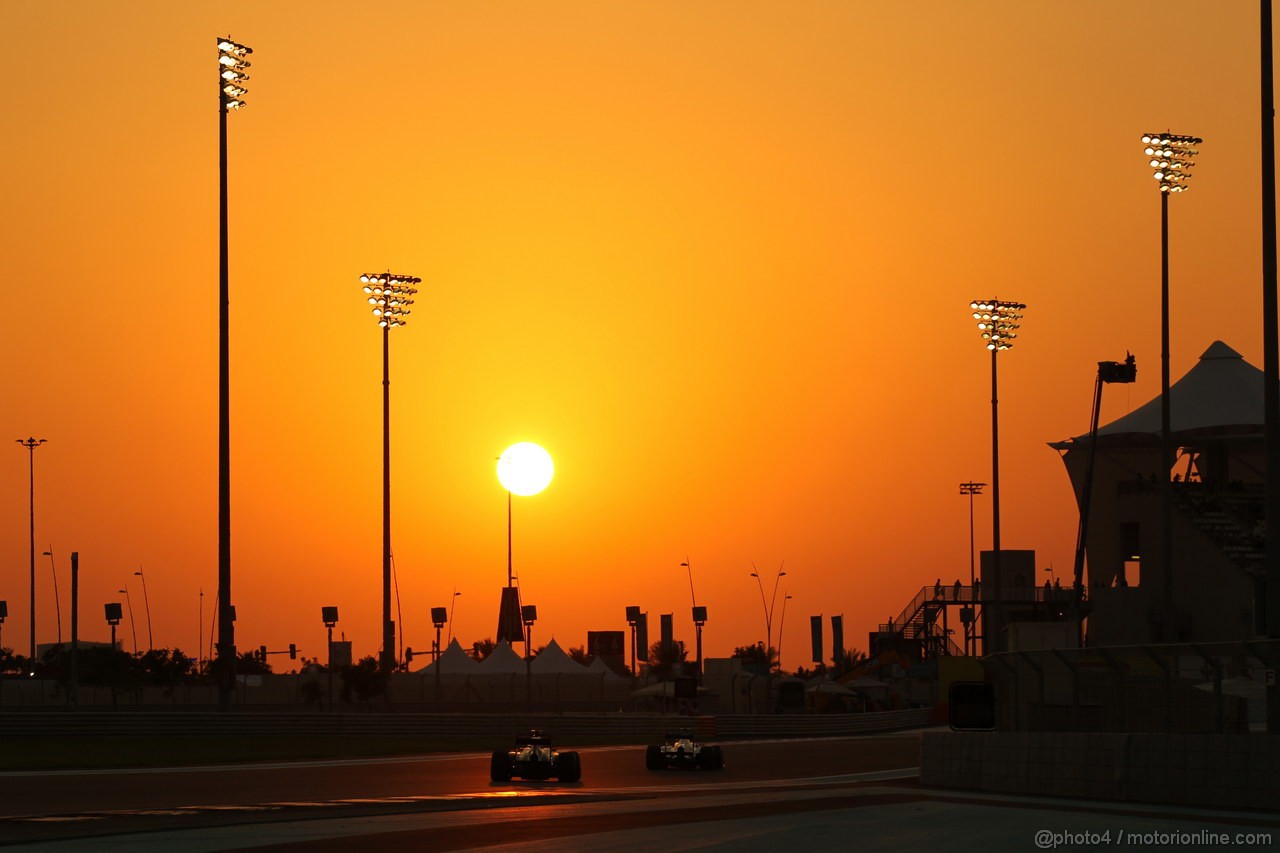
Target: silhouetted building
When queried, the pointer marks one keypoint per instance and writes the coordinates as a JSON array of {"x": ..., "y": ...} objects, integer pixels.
[{"x": 1217, "y": 526}]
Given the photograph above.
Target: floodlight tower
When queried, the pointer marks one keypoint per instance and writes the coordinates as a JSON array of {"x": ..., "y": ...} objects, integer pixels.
[
  {"x": 1171, "y": 157},
  {"x": 232, "y": 64},
  {"x": 998, "y": 322},
  {"x": 971, "y": 489},
  {"x": 390, "y": 295}
]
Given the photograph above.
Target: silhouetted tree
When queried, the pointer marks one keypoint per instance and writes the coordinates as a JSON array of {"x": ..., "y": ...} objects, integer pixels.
[
  {"x": 579, "y": 654},
  {"x": 481, "y": 649},
  {"x": 756, "y": 658},
  {"x": 249, "y": 663},
  {"x": 805, "y": 673},
  {"x": 850, "y": 659},
  {"x": 10, "y": 661},
  {"x": 664, "y": 657},
  {"x": 167, "y": 667},
  {"x": 364, "y": 679}
]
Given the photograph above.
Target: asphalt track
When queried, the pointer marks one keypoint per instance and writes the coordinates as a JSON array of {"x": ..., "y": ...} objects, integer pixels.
[{"x": 826, "y": 794}]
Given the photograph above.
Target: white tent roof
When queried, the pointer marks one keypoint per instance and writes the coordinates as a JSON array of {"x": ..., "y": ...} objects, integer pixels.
[
  {"x": 503, "y": 661},
  {"x": 1223, "y": 392},
  {"x": 598, "y": 666},
  {"x": 454, "y": 661},
  {"x": 552, "y": 660}
]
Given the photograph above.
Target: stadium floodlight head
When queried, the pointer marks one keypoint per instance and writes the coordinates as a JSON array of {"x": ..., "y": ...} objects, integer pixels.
[
  {"x": 390, "y": 295},
  {"x": 1171, "y": 157},
  {"x": 231, "y": 71},
  {"x": 972, "y": 488},
  {"x": 998, "y": 321}
]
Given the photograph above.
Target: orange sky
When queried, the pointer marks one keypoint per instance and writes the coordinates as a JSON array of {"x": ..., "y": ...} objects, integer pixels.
[{"x": 716, "y": 257}]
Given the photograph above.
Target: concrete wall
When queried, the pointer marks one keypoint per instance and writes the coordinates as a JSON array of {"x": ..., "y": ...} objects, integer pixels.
[
  {"x": 1192, "y": 769},
  {"x": 634, "y": 728}
]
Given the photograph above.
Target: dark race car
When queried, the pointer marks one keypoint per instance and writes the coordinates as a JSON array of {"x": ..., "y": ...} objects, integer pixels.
[
  {"x": 533, "y": 758},
  {"x": 682, "y": 751}
]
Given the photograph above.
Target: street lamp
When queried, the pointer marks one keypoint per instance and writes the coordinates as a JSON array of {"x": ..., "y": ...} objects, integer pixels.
[
  {"x": 146, "y": 600},
  {"x": 782, "y": 624},
  {"x": 31, "y": 444},
  {"x": 390, "y": 295},
  {"x": 998, "y": 322},
  {"x": 232, "y": 65},
  {"x": 57, "y": 599},
  {"x": 133, "y": 625},
  {"x": 768, "y": 606},
  {"x": 687, "y": 565},
  {"x": 1171, "y": 159},
  {"x": 452, "y": 601}
]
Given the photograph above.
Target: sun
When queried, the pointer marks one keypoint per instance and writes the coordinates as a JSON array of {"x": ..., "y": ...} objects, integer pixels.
[{"x": 525, "y": 469}]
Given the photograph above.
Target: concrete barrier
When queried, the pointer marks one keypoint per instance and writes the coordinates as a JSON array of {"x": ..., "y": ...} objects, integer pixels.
[
  {"x": 1182, "y": 768},
  {"x": 635, "y": 728}
]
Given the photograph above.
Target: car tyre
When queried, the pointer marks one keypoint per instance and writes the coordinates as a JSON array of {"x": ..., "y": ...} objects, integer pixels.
[
  {"x": 499, "y": 766},
  {"x": 570, "y": 767}
]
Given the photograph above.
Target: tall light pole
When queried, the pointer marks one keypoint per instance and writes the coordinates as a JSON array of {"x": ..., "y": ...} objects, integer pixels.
[
  {"x": 768, "y": 605},
  {"x": 57, "y": 599},
  {"x": 133, "y": 625},
  {"x": 390, "y": 295},
  {"x": 232, "y": 65},
  {"x": 31, "y": 444},
  {"x": 452, "y": 601},
  {"x": 147, "y": 601},
  {"x": 1270, "y": 593},
  {"x": 998, "y": 322},
  {"x": 781, "y": 625},
  {"x": 1170, "y": 157},
  {"x": 523, "y": 469},
  {"x": 699, "y": 615},
  {"x": 971, "y": 489}
]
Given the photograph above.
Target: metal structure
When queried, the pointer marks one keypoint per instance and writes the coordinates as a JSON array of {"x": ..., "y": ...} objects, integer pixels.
[
  {"x": 1270, "y": 594},
  {"x": 998, "y": 323},
  {"x": 31, "y": 444},
  {"x": 1171, "y": 157},
  {"x": 390, "y": 295},
  {"x": 329, "y": 615},
  {"x": 1108, "y": 372},
  {"x": 232, "y": 64},
  {"x": 768, "y": 605},
  {"x": 146, "y": 600},
  {"x": 57, "y": 598},
  {"x": 133, "y": 624}
]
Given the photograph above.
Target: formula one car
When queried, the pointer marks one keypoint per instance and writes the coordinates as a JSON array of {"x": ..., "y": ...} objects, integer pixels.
[
  {"x": 533, "y": 758},
  {"x": 681, "y": 751}
]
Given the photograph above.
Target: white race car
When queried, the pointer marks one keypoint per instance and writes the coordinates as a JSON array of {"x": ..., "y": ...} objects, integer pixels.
[
  {"x": 682, "y": 751},
  {"x": 533, "y": 758}
]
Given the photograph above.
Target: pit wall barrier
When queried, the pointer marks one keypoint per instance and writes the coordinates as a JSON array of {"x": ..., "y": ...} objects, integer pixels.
[{"x": 1229, "y": 770}]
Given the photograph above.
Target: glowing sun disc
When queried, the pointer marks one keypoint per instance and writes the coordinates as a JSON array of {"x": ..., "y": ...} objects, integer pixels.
[{"x": 525, "y": 469}]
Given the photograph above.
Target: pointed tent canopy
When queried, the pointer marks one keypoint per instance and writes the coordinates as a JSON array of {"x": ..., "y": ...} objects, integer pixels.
[
  {"x": 503, "y": 661},
  {"x": 598, "y": 666},
  {"x": 454, "y": 661},
  {"x": 1222, "y": 394},
  {"x": 553, "y": 659}
]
